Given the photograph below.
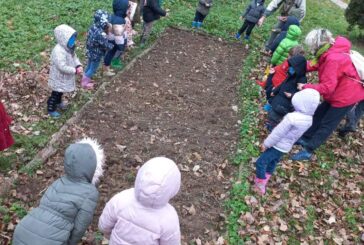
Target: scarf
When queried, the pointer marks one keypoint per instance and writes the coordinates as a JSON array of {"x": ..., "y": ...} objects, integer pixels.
[{"x": 319, "y": 52}]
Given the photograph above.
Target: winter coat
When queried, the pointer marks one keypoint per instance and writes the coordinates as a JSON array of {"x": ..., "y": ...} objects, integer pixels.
[
  {"x": 6, "y": 140},
  {"x": 67, "y": 207},
  {"x": 142, "y": 215},
  {"x": 280, "y": 103},
  {"x": 64, "y": 61},
  {"x": 97, "y": 43},
  {"x": 118, "y": 21},
  {"x": 295, "y": 8},
  {"x": 291, "y": 40},
  {"x": 254, "y": 11},
  {"x": 291, "y": 20},
  {"x": 204, "y": 6},
  {"x": 296, "y": 123},
  {"x": 152, "y": 11},
  {"x": 280, "y": 74},
  {"x": 338, "y": 78}
]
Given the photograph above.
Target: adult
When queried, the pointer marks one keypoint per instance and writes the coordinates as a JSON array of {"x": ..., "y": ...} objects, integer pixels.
[
  {"x": 339, "y": 84},
  {"x": 296, "y": 8}
]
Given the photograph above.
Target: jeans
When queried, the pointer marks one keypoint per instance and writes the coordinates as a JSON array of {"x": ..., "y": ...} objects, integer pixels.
[
  {"x": 354, "y": 115},
  {"x": 111, "y": 53},
  {"x": 199, "y": 17},
  {"x": 267, "y": 162},
  {"x": 248, "y": 26},
  {"x": 325, "y": 121},
  {"x": 91, "y": 68},
  {"x": 54, "y": 100}
]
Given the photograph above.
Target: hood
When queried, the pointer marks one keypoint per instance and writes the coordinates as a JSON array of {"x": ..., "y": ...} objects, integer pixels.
[
  {"x": 157, "y": 181},
  {"x": 63, "y": 33},
  {"x": 120, "y": 7},
  {"x": 341, "y": 45},
  {"x": 260, "y": 2},
  {"x": 101, "y": 18},
  {"x": 84, "y": 161},
  {"x": 294, "y": 32},
  {"x": 306, "y": 101},
  {"x": 291, "y": 20},
  {"x": 299, "y": 63}
]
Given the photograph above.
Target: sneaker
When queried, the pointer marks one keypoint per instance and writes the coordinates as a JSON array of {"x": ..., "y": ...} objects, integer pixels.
[
  {"x": 199, "y": 25},
  {"x": 109, "y": 73},
  {"x": 247, "y": 38},
  {"x": 62, "y": 106},
  {"x": 267, "y": 107},
  {"x": 302, "y": 155},
  {"x": 237, "y": 36},
  {"x": 344, "y": 131},
  {"x": 194, "y": 24},
  {"x": 54, "y": 114}
]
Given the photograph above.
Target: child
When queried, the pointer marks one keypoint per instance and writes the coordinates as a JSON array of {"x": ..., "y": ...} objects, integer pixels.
[
  {"x": 252, "y": 15},
  {"x": 151, "y": 12},
  {"x": 97, "y": 45},
  {"x": 118, "y": 35},
  {"x": 282, "y": 138},
  {"x": 282, "y": 95},
  {"x": 67, "y": 207},
  {"x": 203, "y": 9},
  {"x": 6, "y": 140},
  {"x": 142, "y": 215},
  {"x": 291, "y": 40},
  {"x": 129, "y": 25},
  {"x": 64, "y": 66}
]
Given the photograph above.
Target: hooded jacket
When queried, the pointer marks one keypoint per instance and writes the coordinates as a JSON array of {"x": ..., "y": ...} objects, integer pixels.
[
  {"x": 338, "y": 78},
  {"x": 291, "y": 20},
  {"x": 6, "y": 140},
  {"x": 67, "y": 207},
  {"x": 97, "y": 43},
  {"x": 296, "y": 123},
  {"x": 152, "y": 11},
  {"x": 295, "y": 8},
  {"x": 291, "y": 40},
  {"x": 204, "y": 6},
  {"x": 254, "y": 11},
  {"x": 142, "y": 215},
  {"x": 64, "y": 61},
  {"x": 118, "y": 21},
  {"x": 281, "y": 104}
]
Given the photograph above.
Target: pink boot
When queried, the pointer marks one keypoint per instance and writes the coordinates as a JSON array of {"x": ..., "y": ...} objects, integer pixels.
[
  {"x": 86, "y": 83},
  {"x": 267, "y": 177},
  {"x": 259, "y": 186}
]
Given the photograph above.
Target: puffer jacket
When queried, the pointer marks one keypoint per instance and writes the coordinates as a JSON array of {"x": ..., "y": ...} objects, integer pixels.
[
  {"x": 291, "y": 40},
  {"x": 97, "y": 43},
  {"x": 204, "y": 6},
  {"x": 142, "y": 215},
  {"x": 64, "y": 61},
  {"x": 338, "y": 78},
  {"x": 295, "y": 8},
  {"x": 254, "y": 11},
  {"x": 296, "y": 123},
  {"x": 6, "y": 140},
  {"x": 152, "y": 11},
  {"x": 280, "y": 103},
  {"x": 67, "y": 207},
  {"x": 291, "y": 20}
]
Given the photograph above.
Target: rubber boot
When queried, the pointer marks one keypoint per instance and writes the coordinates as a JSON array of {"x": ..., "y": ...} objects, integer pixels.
[
  {"x": 86, "y": 83},
  {"x": 194, "y": 24},
  {"x": 116, "y": 63},
  {"x": 259, "y": 186}
]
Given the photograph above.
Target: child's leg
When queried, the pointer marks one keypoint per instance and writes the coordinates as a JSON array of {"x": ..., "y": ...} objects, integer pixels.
[
  {"x": 92, "y": 68},
  {"x": 53, "y": 102},
  {"x": 202, "y": 18},
  {"x": 249, "y": 29},
  {"x": 269, "y": 86},
  {"x": 275, "y": 158},
  {"x": 110, "y": 55},
  {"x": 243, "y": 28},
  {"x": 147, "y": 29}
]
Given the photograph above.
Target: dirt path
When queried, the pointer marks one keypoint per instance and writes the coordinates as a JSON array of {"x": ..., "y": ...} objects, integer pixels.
[{"x": 176, "y": 101}]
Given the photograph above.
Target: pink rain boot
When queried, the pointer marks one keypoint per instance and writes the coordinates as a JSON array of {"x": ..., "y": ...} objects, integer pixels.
[
  {"x": 259, "y": 186},
  {"x": 267, "y": 177},
  {"x": 86, "y": 83}
]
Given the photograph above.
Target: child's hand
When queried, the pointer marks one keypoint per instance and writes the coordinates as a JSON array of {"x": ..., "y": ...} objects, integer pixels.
[
  {"x": 263, "y": 148},
  {"x": 272, "y": 70},
  {"x": 288, "y": 95},
  {"x": 79, "y": 70},
  {"x": 272, "y": 94},
  {"x": 300, "y": 86}
]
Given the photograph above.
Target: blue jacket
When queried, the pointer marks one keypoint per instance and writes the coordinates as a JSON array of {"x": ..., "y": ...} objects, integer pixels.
[
  {"x": 97, "y": 43},
  {"x": 120, "y": 7}
]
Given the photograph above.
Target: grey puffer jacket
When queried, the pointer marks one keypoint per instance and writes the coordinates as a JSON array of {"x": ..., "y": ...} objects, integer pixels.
[
  {"x": 67, "y": 207},
  {"x": 64, "y": 61},
  {"x": 204, "y": 6},
  {"x": 254, "y": 11}
]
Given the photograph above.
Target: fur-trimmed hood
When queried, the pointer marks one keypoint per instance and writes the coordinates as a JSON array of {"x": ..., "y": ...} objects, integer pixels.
[{"x": 84, "y": 161}]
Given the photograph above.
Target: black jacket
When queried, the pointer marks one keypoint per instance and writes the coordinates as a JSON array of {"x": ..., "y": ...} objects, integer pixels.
[
  {"x": 253, "y": 11},
  {"x": 152, "y": 11},
  {"x": 280, "y": 102}
]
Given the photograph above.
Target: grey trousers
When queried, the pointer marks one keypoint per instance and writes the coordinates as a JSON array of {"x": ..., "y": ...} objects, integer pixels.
[
  {"x": 354, "y": 115},
  {"x": 147, "y": 29},
  {"x": 275, "y": 32}
]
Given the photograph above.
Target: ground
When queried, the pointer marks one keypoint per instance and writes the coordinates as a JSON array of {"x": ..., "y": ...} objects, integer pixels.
[{"x": 179, "y": 101}]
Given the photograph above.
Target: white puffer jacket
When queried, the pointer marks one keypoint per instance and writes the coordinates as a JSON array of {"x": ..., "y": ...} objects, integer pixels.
[{"x": 64, "y": 61}]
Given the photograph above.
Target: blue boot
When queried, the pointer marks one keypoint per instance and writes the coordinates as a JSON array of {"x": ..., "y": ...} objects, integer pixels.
[
  {"x": 247, "y": 38},
  {"x": 62, "y": 106},
  {"x": 194, "y": 24},
  {"x": 237, "y": 35},
  {"x": 199, "y": 25},
  {"x": 267, "y": 107},
  {"x": 302, "y": 155},
  {"x": 54, "y": 114}
]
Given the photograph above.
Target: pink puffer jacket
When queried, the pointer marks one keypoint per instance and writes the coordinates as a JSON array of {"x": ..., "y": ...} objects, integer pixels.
[{"x": 142, "y": 215}]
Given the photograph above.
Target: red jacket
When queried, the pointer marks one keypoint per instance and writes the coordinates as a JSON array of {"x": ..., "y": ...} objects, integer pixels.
[
  {"x": 280, "y": 73},
  {"x": 6, "y": 140},
  {"x": 337, "y": 76}
]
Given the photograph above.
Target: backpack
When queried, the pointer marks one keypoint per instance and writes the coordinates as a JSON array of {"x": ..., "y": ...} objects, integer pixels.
[{"x": 358, "y": 62}]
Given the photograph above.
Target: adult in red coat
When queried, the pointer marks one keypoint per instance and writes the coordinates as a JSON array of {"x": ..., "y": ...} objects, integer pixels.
[
  {"x": 6, "y": 140},
  {"x": 339, "y": 84}
]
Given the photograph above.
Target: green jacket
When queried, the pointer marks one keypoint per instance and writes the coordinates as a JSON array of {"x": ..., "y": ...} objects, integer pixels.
[
  {"x": 291, "y": 40},
  {"x": 67, "y": 207}
]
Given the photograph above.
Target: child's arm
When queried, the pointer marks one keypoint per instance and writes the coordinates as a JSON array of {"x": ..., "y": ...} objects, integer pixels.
[
  {"x": 104, "y": 42},
  {"x": 278, "y": 132},
  {"x": 60, "y": 61},
  {"x": 171, "y": 230},
  {"x": 157, "y": 9},
  {"x": 108, "y": 218},
  {"x": 83, "y": 218}
]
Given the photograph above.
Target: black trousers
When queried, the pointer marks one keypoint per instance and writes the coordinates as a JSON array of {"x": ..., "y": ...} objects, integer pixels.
[
  {"x": 269, "y": 87},
  {"x": 54, "y": 100},
  {"x": 248, "y": 26},
  {"x": 199, "y": 17},
  {"x": 325, "y": 121}
]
